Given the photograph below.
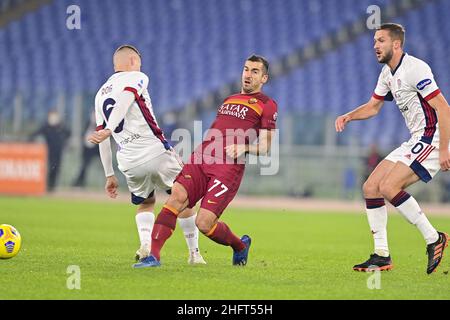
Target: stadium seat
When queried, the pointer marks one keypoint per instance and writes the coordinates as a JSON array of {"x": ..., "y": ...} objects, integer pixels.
[{"x": 192, "y": 48}]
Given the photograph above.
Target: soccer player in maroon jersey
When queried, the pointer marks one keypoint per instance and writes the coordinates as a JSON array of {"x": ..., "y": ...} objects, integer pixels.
[{"x": 216, "y": 167}]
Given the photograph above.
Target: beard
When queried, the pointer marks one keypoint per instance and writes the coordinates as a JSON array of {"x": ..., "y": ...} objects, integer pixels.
[
  {"x": 247, "y": 89},
  {"x": 387, "y": 57}
]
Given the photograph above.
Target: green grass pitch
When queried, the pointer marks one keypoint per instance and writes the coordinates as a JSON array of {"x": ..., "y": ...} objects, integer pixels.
[{"x": 294, "y": 255}]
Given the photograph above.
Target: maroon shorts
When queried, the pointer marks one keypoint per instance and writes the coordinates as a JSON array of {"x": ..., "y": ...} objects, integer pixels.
[{"x": 217, "y": 184}]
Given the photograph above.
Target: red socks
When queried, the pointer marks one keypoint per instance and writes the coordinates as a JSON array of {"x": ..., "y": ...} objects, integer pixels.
[
  {"x": 162, "y": 230},
  {"x": 222, "y": 234},
  {"x": 166, "y": 222}
]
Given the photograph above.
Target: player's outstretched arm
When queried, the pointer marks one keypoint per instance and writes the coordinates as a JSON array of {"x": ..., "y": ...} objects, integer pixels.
[
  {"x": 366, "y": 111},
  {"x": 442, "y": 108}
]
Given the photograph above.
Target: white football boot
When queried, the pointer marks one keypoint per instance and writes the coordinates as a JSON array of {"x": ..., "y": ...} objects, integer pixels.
[
  {"x": 142, "y": 252},
  {"x": 196, "y": 258}
]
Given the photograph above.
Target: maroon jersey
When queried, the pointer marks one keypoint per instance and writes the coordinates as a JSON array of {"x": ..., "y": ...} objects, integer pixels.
[
  {"x": 239, "y": 119},
  {"x": 216, "y": 182}
]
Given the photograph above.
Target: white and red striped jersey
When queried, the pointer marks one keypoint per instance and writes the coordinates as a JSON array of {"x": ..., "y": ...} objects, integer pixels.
[
  {"x": 138, "y": 136},
  {"x": 412, "y": 85}
]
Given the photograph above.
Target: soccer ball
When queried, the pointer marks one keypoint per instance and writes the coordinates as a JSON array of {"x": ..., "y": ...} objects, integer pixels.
[{"x": 10, "y": 241}]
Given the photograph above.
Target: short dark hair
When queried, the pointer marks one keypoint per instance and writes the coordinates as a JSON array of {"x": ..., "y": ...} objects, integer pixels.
[
  {"x": 128, "y": 46},
  {"x": 256, "y": 58},
  {"x": 396, "y": 31}
]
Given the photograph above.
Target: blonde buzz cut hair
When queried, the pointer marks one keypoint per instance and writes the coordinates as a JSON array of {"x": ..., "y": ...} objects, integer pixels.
[{"x": 128, "y": 46}]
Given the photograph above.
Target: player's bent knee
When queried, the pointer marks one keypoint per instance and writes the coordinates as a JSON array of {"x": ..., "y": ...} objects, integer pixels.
[
  {"x": 371, "y": 189},
  {"x": 204, "y": 226},
  {"x": 176, "y": 202},
  {"x": 387, "y": 189}
]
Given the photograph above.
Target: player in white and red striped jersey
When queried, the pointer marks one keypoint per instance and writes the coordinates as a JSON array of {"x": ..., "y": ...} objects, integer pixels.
[
  {"x": 124, "y": 110},
  {"x": 411, "y": 83}
]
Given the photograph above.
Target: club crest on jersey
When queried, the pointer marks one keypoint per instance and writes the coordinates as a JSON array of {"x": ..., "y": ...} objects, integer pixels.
[
  {"x": 252, "y": 100},
  {"x": 423, "y": 84}
]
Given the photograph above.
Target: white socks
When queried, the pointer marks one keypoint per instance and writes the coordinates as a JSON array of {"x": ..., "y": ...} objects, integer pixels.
[
  {"x": 378, "y": 222},
  {"x": 190, "y": 231},
  {"x": 144, "y": 222},
  {"x": 410, "y": 209}
]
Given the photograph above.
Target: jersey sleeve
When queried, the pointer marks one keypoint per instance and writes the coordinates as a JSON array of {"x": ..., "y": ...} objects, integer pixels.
[
  {"x": 382, "y": 91},
  {"x": 421, "y": 79},
  {"x": 135, "y": 82},
  {"x": 269, "y": 115},
  {"x": 99, "y": 121}
]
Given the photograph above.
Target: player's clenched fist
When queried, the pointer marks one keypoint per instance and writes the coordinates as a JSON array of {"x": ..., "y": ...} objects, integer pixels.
[
  {"x": 341, "y": 121},
  {"x": 99, "y": 136}
]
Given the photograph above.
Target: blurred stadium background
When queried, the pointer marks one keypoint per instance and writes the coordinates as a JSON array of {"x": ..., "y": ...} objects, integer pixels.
[{"x": 322, "y": 65}]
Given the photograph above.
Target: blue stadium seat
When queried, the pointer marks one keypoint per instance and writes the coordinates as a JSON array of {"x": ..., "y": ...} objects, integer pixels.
[
  {"x": 200, "y": 43},
  {"x": 191, "y": 48},
  {"x": 346, "y": 77}
]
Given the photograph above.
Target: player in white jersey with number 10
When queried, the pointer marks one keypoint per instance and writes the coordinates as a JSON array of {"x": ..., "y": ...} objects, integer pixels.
[
  {"x": 124, "y": 110},
  {"x": 411, "y": 83}
]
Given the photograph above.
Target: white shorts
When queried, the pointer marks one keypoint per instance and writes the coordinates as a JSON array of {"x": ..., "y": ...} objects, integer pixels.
[
  {"x": 159, "y": 172},
  {"x": 421, "y": 157}
]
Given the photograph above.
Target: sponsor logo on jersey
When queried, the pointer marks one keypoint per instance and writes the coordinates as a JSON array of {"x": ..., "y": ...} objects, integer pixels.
[
  {"x": 129, "y": 139},
  {"x": 141, "y": 83},
  {"x": 408, "y": 156},
  {"x": 236, "y": 110},
  {"x": 275, "y": 116},
  {"x": 423, "y": 84},
  {"x": 211, "y": 202},
  {"x": 252, "y": 100}
]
